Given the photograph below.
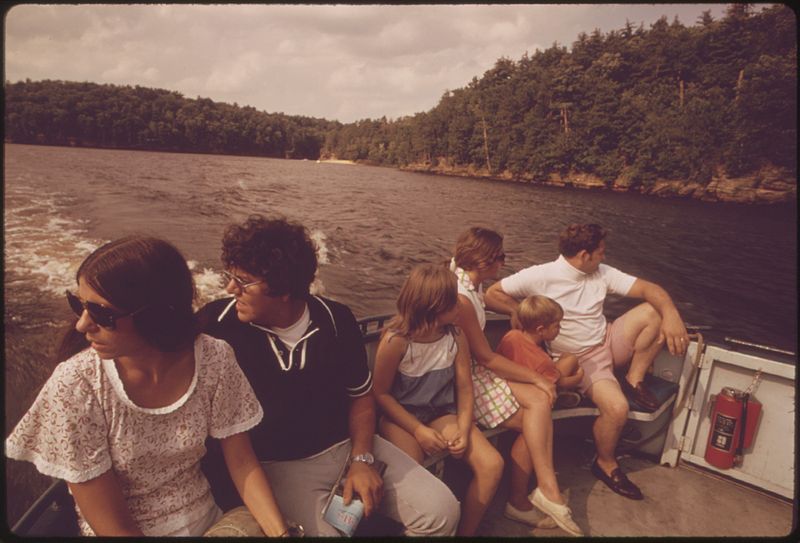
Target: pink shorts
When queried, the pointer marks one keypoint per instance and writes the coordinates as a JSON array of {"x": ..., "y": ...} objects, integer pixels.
[{"x": 599, "y": 362}]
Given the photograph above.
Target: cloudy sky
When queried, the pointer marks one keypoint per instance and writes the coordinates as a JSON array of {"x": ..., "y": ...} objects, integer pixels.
[{"x": 343, "y": 62}]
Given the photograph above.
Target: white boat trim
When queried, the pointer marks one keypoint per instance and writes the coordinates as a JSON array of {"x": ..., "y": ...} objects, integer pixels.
[
  {"x": 770, "y": 462},
  {"x": 590, "y": 411}
]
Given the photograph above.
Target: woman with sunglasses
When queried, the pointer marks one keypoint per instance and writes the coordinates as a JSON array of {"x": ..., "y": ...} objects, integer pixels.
[
  {"x": 124, "y": 421},
  {"x": 508, "y": 394}
]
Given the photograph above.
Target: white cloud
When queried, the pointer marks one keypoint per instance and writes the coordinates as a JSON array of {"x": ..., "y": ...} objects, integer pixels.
[
  {"x": 347, "y": 77},
  {"x": 234, "y": 75},
  {"x": 343, "y": 62}
]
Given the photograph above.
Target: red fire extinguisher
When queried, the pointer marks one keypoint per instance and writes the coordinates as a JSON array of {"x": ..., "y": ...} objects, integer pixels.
[{"x": 732, "y": 410}]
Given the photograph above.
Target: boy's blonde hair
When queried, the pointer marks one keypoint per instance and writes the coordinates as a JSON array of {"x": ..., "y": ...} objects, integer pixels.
[
  {"x": 536, "y": 311},
  {"x": 428, "y": 291},
  {"x": 477, "y": 247}
]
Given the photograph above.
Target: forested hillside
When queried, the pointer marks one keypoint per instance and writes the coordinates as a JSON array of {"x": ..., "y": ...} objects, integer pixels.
[
  {"x": 623, "y": 109},
  {"x": 92, "y": 115},
  {"x": 671, "y": 110}
]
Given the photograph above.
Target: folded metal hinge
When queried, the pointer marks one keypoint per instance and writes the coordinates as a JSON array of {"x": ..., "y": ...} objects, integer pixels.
[
  {"x": 689, "y": 402},
  {"x": 685, "y": 444}
]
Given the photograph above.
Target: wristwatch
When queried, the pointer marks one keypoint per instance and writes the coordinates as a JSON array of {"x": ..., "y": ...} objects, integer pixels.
[
  {"x": 293, "y": 530},
  {"x": 367, "y": 458}
]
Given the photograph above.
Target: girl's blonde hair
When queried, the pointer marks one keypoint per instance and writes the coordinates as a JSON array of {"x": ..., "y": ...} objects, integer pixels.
[
  {"x": 477, "y": 247},
  {"x": 536, "y": 311},
  {"x": 428, "y": 291}
]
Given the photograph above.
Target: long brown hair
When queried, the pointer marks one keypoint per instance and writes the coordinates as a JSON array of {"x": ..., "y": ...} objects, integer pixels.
[
  {"x": 428, "y": 291},
  {"x": 477, "y": 248},
  {"x": 146, "y": 274}
]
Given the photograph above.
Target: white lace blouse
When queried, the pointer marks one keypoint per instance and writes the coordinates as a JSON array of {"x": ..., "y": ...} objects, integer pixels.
[
  {"x": 474, "y": 295},
  {"x": 82, "y": 424}
]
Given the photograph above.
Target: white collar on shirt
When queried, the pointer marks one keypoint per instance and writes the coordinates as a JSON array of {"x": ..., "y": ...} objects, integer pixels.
[
  {"x": 569, "y": 270},
  {"x": 294, "y": 332}
]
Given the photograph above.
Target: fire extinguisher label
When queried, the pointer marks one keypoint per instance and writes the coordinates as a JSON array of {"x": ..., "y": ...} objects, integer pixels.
[{"x": 722, "y": 433}]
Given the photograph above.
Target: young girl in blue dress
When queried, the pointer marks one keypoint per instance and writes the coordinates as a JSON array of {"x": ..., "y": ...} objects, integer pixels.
[{"x": 423, "y": 385}]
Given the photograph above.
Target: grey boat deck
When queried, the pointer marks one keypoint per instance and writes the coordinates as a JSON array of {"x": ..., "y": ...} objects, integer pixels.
[{"x": 679, "y": 502}]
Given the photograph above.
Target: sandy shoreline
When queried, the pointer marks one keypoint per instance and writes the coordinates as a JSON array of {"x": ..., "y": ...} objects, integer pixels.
[{"x": 335, "y": 161}]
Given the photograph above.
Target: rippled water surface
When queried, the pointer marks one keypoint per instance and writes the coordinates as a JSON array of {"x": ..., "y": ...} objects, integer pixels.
[{"x": 729, "y": 267}]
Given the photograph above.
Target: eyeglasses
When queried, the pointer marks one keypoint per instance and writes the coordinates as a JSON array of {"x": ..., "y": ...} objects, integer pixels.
[
  {"x": 241, "y": 283},
  {"x": 501, "y": 256},
  {"x": 101, "y": 315}
]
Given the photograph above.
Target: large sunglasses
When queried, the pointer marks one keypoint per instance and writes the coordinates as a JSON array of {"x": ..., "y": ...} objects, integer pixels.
[{"x": 100, "y": 315}]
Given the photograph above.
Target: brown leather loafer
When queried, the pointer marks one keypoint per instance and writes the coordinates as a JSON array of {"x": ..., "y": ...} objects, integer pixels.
[
  {"x": 618, "y": 482},
  {"x": 640, "y": 394}
]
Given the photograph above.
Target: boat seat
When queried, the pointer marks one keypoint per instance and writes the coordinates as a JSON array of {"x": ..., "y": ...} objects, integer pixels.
[
  {"x": 665, "y": 391},
  {"x": 638, "y": 430}
]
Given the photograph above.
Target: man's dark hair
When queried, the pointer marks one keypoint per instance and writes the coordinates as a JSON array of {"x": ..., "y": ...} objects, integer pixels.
[
  {"x": 579, "y": 237},
  {"x": 274, "y": 249}
]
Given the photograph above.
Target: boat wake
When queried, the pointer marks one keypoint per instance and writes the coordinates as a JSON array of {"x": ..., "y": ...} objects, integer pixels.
[{"x": 43, "y": 246}]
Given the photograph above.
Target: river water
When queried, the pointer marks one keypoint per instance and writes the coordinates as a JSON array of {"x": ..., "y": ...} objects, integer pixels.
[{"x": 729, "y": 267}]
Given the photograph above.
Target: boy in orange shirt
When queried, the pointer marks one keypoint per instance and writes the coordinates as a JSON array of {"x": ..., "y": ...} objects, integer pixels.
[{"x": 540, "y": 318}]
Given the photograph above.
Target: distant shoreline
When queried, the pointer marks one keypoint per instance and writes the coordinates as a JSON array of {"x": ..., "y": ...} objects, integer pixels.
[
  {"x": 770, "y": 186},
  {"x": 335, "y": 161}
]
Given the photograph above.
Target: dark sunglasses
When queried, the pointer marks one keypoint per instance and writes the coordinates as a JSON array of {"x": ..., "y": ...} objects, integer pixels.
[
  {"x": 501, "y": 256},
  {"x": 101, "y": 315}
]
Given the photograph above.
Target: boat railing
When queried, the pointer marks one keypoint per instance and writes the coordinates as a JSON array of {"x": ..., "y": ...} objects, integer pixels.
[
  {"x": 372, "y": 326},
  {"x": 52, "y": 514},
  {"x": 758, "y": 346}
]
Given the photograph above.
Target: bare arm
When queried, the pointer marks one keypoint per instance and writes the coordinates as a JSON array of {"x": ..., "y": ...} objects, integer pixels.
[
  {"x": 104, "y": 507},
  {"x": 570, "y": 370},
  {"x": 463, "y": 378},
  {"x": 672, "y": 328},
  {"x": 499, "y": 301},
  {"x": 361, "y": 478},
  {"x": 252, "y": 484},
  {"x": 458, "y": 439},
  {"x": 484, "y": 355},
  {"x": 362, "y": 423},
  {"x": 387, "y": 359},
  {"x": 571, "y": 381}
]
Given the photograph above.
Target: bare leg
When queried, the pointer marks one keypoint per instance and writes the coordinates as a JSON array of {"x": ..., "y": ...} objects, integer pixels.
[
  {"x": 607, "y": 428},
  {"x": 537, "y": 430},
  {"x": 520, "y": 468},
  {"x": 487, "y": 469},
  {"x": 642, "y": 328},
  {"x": 401, "y": 439}
]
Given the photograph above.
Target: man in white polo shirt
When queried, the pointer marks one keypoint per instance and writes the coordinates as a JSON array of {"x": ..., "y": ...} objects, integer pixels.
[{"x": 579, "y": 282}]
